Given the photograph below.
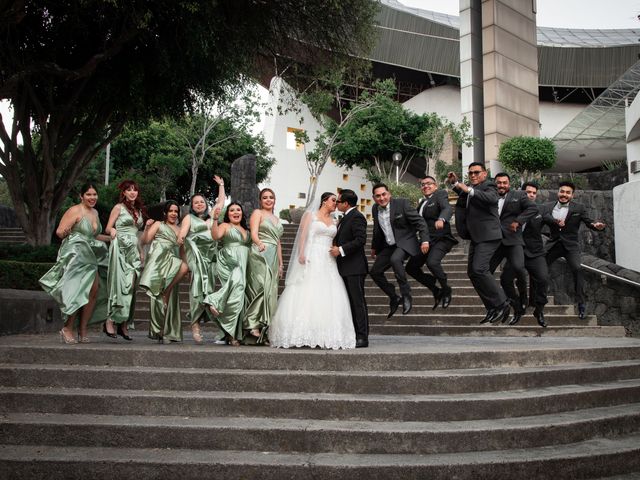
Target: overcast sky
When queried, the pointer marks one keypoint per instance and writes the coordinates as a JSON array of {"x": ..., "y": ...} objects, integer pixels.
[{"x": 562, "y": 13}]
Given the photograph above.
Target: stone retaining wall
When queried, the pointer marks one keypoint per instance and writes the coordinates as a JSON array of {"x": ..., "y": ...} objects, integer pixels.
[{"x": 28, "y": 311}]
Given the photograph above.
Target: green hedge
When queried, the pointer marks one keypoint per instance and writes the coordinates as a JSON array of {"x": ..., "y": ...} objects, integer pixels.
[
  {"x": 22, "y": 275},
  {"x": 21, "y": 252}
]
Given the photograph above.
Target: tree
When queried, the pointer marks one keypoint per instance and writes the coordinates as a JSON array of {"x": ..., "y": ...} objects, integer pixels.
[
  {"x": 75, "y": 72},
  {"x": 527, "y": 156},
  {"x": 436, "y": 132}
]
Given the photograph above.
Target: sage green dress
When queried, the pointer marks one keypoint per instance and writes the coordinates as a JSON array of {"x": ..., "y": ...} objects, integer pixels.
[
  {"x": 161, "y": 266},
  {"x": 262, "y": 278},
  {"x": 124, "y": 267},
  {"x": 69, "y": 281},
  {"x": 200, "y": 250},
  {"x": 232, "y": 273}
]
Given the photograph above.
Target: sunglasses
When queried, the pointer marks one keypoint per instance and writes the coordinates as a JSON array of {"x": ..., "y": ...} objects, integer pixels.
[
  {"x": 426, "y": 184},
  {"x": 475, "y": 172}
]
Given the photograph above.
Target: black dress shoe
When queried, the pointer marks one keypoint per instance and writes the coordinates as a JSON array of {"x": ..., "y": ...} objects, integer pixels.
[
  {"x": 581, "y": 311},
  {"x": 406, "y": 304},
  {"x": 122, "y": 334},
  {"x": 362, "y": 343},
  {"x": 393, "y": 306},
  {"x": 446, "y": 297},
  {"x": 490, "y": 314},
  {"x": 502, "y": 313},
  {"x": 515, "y": 319},
  {"x": 107, "y": 333},
  {"x": 437, "y": 297},
  {"x": 539, "y": 314}
]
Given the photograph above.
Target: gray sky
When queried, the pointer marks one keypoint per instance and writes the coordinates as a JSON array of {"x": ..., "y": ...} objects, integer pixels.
[{"x": 562, "y": 13}]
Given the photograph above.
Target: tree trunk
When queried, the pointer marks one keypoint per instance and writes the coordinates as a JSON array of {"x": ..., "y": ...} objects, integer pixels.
[{"x": 194, "y": 178}]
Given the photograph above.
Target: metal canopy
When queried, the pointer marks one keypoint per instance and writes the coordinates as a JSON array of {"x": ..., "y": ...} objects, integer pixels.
[{"x": 602, "y": 123}]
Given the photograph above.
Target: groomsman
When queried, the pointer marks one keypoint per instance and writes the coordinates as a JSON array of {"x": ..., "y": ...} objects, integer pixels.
[
  {"x": 565, "y": 217},
  {"x": 514, "y": 209},
  {"x": 534, "y": 262},
  {"x": 395, "y": 225},
  {"x": 437, "y": 212},
  {"x": 348, "y": 248},
  {"x": 482, "y": 224}
]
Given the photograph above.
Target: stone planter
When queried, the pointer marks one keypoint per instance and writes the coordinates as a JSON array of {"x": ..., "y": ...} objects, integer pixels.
[{"x": 296, "y": 215}]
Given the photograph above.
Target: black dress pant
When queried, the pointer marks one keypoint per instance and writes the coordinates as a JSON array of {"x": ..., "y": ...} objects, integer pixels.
[
  {"x": 478, "y": 269},
  {"x": 573, "y": 260},
  {"x": 355, "y": 289},
  {"x": 538, "y": 281},
  {"x": 390, "y": 257},
  {"x": 433, "y": 259}
]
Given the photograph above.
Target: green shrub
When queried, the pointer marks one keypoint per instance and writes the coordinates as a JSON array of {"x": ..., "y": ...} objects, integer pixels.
[
  {"x": 21, "y": 252},
  {"x": 527, "y": 155},
  {"x": 285, "y": 214},
  {"x": 409, "y": 191},
  {"x": 22, "y": 275}
]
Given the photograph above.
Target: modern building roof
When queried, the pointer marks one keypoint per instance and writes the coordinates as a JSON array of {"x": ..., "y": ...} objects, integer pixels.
[{"x": 429, "y": 41}]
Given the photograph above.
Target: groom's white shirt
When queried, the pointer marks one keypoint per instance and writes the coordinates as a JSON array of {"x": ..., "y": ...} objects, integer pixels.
[{"x": 345, "y": 214}]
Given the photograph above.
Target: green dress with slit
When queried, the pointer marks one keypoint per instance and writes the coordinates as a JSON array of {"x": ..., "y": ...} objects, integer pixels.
[
  {"x": 262, "y": 278},
  {"x": 124, "y": 267},
  {"x": 200, "y": 250},
  {"x": 232, "y": 272},
  {"x": 161, "y": 266},
  {"x": 80, "y": 257}
]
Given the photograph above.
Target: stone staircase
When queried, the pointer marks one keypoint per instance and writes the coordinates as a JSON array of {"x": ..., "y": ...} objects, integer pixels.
[
  {"x": 469, "y": 405},
  {"x": 12, "y": 235}
]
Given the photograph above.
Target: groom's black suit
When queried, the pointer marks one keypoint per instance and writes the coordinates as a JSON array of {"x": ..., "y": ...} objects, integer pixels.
[{"x": 353, "y": 268}]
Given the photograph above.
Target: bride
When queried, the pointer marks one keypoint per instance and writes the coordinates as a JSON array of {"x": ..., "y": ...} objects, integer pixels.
[{"x": 314, "y": 308}]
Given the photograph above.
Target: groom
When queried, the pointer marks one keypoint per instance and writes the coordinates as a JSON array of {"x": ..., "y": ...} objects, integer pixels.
[{"x": 348, "y": 248}]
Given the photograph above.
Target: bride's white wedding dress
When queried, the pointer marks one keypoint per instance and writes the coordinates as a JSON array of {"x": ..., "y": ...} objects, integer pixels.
[{"x": 314, "y": 308}]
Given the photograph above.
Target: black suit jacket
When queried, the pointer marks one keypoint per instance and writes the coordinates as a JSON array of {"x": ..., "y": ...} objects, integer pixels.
[
  {"x": 405, "y": 223},
  {"x": 516, "y": 208},
  {"x": 352, "y": 238},
  {"x": 481, "y": 212},
  {"x": 567, "y": 235},
  {"x": 532, "y": 234},
  {"x": 435, "y": 208}
]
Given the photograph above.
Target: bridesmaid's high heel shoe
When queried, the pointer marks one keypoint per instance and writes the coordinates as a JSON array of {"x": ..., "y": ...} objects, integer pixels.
[
  {"x": 197, "y": 336},
  {"x": 67, "y": 340},
  {"x": 83, "y": 339},
  {"x": 107, "y": 332},
  {"x": 120, "y": 331}
]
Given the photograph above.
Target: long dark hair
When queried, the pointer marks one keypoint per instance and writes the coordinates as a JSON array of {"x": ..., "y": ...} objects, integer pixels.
[
  {"x": 137, "y": 205},
  {"x": 206, "y": 214},
  {"x": 86, "y": 186},
  {"x": 167, "y": 206},
  {"x": 325, "y": 196},
  {"x": 243, "y": 220}
]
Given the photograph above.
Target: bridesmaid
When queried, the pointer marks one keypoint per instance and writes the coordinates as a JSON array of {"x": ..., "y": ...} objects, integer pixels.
[
  {"x": 227, "y": 304},
  {"x": 200, "y": 249},
  {"x": 78, "y": 280},
  {"x": 264, "y": 268},
  {"x": 125, "y": 258},
  {"x": 163, "y": 269}
]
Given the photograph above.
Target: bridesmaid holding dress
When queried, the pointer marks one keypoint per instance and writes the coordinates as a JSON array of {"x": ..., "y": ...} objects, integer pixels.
[
  {"x": 163, "y": 269},
  {"x": 264, "y": 268},
  {"x": 78, "y": 280},
  {"x": 227, "y": 304},
  {"x": 200, "y": 250},
  {"x": 125, "y": 258}
]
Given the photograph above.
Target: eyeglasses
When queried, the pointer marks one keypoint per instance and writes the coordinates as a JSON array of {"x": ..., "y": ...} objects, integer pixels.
[
  {"x": 475, "y": 172},
  {"x": 426, "y": 184}
]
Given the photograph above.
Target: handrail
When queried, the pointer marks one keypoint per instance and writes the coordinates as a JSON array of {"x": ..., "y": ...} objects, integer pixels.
[{"x": 610, "y": 275}]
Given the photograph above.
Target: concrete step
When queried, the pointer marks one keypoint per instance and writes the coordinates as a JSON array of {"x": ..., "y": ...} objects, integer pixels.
[
  {"x": 325, "y": 406},
  {"x": 317, "y": 436},
  {"x": 586, "y": 459},
  {"x": 498, "y": 331},
  {"x": 449, "y": 381}
]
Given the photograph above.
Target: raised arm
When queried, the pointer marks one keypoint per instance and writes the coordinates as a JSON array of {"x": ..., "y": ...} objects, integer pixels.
[
  {"x": 217, "y": 231},
  {"x": 221, "y": 195},
  {"x": 150, "y": 232}
]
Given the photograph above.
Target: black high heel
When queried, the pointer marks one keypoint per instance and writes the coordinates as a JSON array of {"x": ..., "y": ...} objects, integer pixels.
[
  {"x": 122, "y": 334},
  {"x": 107, "y": 333}
]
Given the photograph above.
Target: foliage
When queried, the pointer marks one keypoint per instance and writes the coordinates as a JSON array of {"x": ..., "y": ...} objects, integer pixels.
[
  {"x": 76, "y": 72},
  {"x": 613, "y": 164},
  {"x": 410, "y": 191},
  {"x": 22, "y": 275},
  {"x": 436, "y": 131},
  {"x": 5, "y": 197},
  {"x": 285, "y": 214},
  {"x": 442, "y": 168},
  {"x": 21, "y": 252},
  {"x": 527, "y": 155},
  {"x": 580, "y": 181}
]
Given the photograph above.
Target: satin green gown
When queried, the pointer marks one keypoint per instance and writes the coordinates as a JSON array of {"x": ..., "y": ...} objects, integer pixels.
[
  {"x": 200, "y": 249},
  {"x": 232, "y": 273},
  {"x": 262, "y": 278},
  {"x": 161, "y": 266},
  {"x": 124, "y": 267},
  {"x": 69, "y": 281}
]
